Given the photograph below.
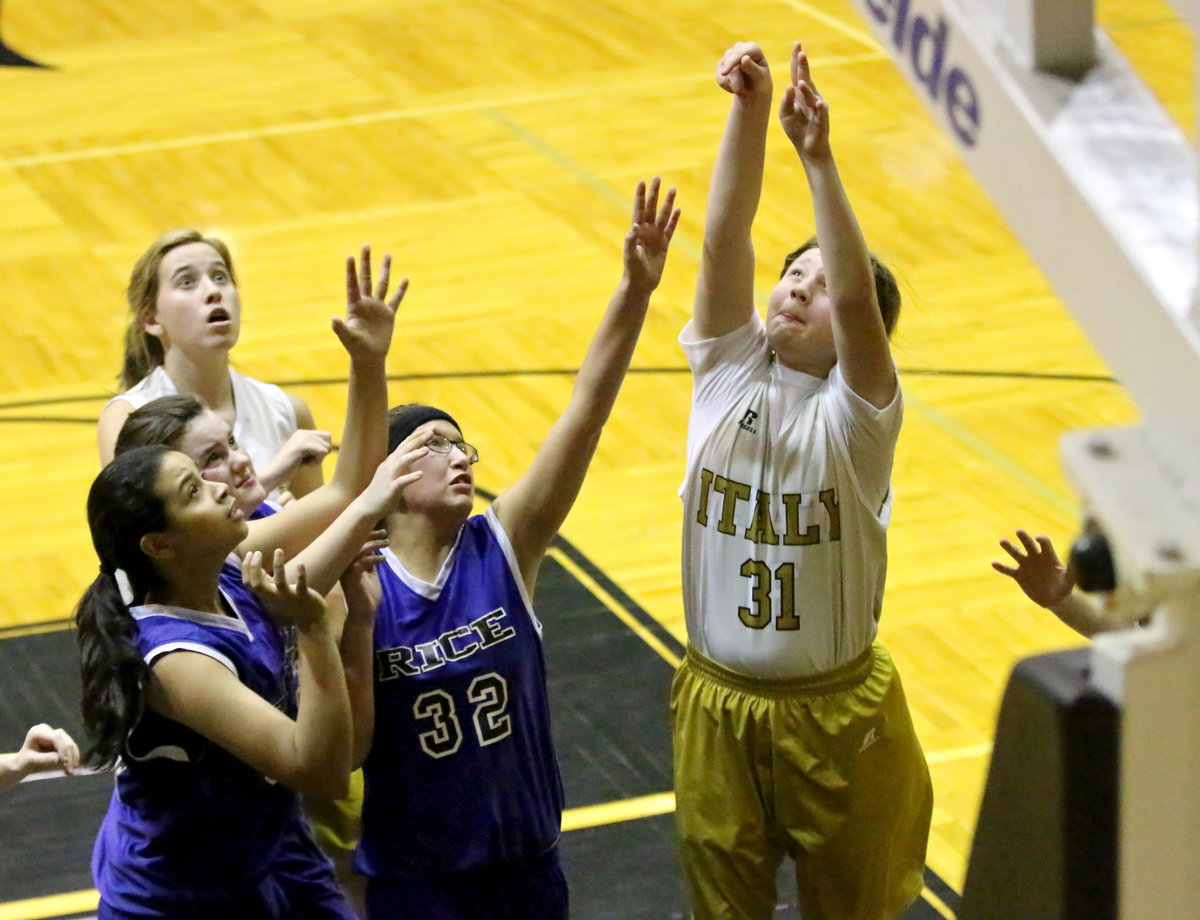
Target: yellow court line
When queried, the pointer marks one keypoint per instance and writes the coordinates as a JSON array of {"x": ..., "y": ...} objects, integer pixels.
[
  {"x": 611, "y": 603},
  {"x": 646, "y": 806},
  {"x": 937, "y": 903},
  {"x": 33, "y": 629},
  {"x": 55, "y": 905}
]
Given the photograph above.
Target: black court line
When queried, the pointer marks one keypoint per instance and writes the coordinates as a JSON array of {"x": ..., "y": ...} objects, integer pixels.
[
  {"x": 999, "y": 374},
  {"x": 10, "y": 58}
]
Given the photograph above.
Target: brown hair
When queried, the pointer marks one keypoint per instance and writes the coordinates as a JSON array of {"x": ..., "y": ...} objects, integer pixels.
[
  {"x": 887, "y": 292},
  {"x": 161, "y": 421},
  {"x": 143, "y": 351}
]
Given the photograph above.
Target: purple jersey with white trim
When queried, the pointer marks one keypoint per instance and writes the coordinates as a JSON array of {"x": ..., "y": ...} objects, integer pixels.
[
  {"x": 188, "y": 820},
  {"x": 462, "y": 771}
]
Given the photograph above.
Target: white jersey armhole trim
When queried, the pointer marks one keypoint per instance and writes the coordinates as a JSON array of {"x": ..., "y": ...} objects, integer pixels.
[
  {"x": 511, "y": 558},
  {"x": 213, "y": 620},
  {"x": 167, "y": 647}
]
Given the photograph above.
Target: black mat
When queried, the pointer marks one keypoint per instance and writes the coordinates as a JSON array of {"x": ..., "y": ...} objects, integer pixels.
[{"x": 609, "y": 693}]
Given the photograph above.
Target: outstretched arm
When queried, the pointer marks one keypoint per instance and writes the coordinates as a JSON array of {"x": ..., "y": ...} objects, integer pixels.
[
  {"x": 725, "y": 290},
  {"x": 534, "y": 508},
  {"x": 1045, "y": 581},
  {"x": 45, "y": 748},
  {"x": 859, "y": 336},
  {"x": 366, "y": 333}
]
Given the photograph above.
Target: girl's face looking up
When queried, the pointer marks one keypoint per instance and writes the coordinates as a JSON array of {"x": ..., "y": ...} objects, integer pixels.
[
  {"x": 198, "y": 305},
  {"x": 209, "y": 442}
]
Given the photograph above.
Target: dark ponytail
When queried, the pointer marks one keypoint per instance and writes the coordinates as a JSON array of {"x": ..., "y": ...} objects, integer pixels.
[{"x": 123, "y": 506}]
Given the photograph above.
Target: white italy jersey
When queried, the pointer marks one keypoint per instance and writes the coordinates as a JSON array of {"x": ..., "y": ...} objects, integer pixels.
[{"x": 786, "y": 504}]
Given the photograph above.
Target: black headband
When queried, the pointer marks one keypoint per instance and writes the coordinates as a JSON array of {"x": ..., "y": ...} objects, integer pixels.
[{"x": 404, "y": 420}]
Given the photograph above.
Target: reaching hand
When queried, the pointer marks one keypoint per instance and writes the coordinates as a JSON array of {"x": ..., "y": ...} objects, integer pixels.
[
  {"x": 367, "y": 329},
  {"x": 306, "y": 447},
  {"x": 804, "y": 113},
  {"x": 743, "y": 71},
  {"x": 47, "y": 748},
  {"x": 293, "y": 604},
  {"x": 382, "y": 495},
  {"x": 1038, "y": 571},
  {"x": 360, "y": 582},
  {"x": 647, "y": 241}
]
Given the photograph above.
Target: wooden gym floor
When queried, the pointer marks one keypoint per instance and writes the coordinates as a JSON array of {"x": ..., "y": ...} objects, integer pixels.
[{"x": 492, "y": 146}]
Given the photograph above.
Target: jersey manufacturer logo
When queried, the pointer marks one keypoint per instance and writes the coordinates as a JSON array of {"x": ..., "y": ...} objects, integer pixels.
[
  {"x": 10, "y": 58},
  {"x": 868, "y": 739},
  {"x": 748, "y": 420}
]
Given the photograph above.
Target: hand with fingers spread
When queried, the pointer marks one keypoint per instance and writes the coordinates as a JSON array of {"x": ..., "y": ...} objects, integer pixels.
[
  {"x": 1038, "y": 570},
  {"x": 804, "y": 113},
  {"x": 743, "y": 71},
  {"x": 370, "y": 313},
  {"x": 383, "y": 494},
  {"x": 45, "y": 749},
  {"x": 289, "y": 604},
  {"x": 647, "y": 241}
]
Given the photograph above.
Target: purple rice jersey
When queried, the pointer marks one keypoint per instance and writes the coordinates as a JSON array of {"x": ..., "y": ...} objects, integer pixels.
[{"x": 462, "y": 771}]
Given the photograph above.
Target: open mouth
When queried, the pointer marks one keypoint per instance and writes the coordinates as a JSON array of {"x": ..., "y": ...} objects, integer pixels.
[
  {"x": 219, "y": 315},
  {"x": 462, "y": 480}
]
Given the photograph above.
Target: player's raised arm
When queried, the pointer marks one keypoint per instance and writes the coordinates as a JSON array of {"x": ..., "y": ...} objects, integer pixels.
[
  {"x": 534, "y": 508},
  {"x": 860, "y": 338},
  {"x": 366, "y": 334},
  {"x": 725, "y": 290}
]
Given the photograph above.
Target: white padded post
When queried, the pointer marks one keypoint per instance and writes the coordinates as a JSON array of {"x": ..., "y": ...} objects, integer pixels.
[{"x": 1053, "y": 36}]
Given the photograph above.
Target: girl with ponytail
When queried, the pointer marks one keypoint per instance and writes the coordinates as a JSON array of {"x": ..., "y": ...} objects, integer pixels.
[{"x": 188, "y": 688}]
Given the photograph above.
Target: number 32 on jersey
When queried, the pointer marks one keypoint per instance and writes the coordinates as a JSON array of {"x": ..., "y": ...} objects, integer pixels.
[{"x": 487, "y": 702}]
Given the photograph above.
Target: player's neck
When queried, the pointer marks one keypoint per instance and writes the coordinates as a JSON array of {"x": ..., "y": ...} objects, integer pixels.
[
  {"x": 204, "y": 375},
  {"x": 422, "y": 545},
  {"x": 189, "y": 586}
]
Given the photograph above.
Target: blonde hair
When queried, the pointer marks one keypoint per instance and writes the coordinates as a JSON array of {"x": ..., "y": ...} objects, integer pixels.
[{"x": 143, "y": 351}]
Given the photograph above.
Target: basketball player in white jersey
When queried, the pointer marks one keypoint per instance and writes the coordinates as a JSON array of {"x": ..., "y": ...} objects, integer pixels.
[{"x": 792, "y": 736}]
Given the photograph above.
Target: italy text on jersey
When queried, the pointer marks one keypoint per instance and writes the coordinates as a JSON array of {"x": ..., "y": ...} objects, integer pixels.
[{"x": 805, "y": 518}]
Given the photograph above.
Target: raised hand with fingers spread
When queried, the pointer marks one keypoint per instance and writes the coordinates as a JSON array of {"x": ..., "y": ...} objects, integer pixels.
[
  {"x": 803, "y": 112},
  {"x": 290, "y": 603},
  {"x": 370, "y": 312},
  {"x": 647, "y": 241},
  {"x": 1038, "y": 571}
]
